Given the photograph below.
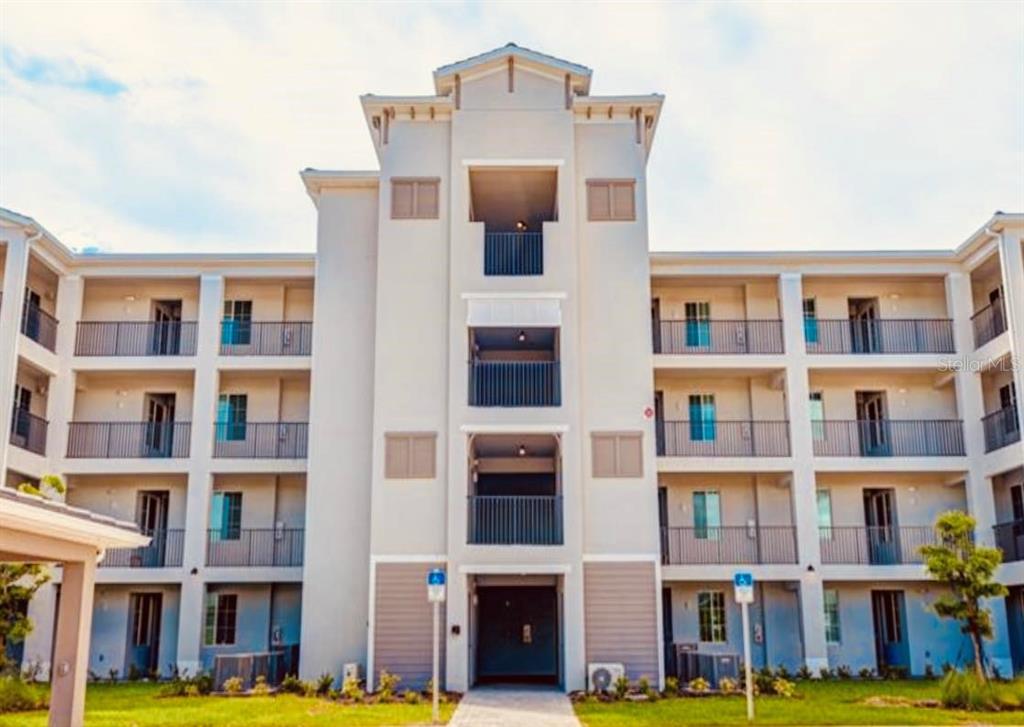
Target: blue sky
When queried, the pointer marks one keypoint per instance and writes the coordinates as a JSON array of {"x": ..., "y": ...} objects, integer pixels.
[{"x": 182, "y": 126}]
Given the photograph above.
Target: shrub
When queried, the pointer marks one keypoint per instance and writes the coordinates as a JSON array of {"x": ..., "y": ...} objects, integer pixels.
[
  {"x": 260, "y": 688},
  {"x": 892, "y": 673},
  {"x": 350, "y": 689},
  {"x": 324, "y": 684},
  {"x": 232, "y": 685},
  {"x": 782, "y": 672},
  {"x": 202, "y": 683},
  {"x": 727, "y": 685},
  {"x": 671, "y": 685},
  {"x": 866, "y": 672},
  {"x": 17, "y": 696},
  {"x": 700, "y": 684},
  {"x": 783, "y": 687},
  {"x": 621, "y": 687},
  {"x": 826, "y": 674},
  {"x": 843, "y": 671},
  {"x": 112, "y": 675},
  {"x": 929, "y": 671},
  {"x": 763, "y": 679},
  {"x": 961, "y": 690},
  {"x": 291, "y": 684},
  {"x": 411, "y": 697},
  {"x": 386, "y": 685},
  {"x": 134, "y": 673},
  {"x": 804, "y": 672}
]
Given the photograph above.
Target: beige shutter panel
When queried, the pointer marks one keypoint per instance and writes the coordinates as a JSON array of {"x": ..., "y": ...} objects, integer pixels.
[
  {"x": 603, "y": 454},
  {"x": 598, "y": 201},
  {"x": 623, "y": 205},
  {"x": 396, "y": 456},
  {"x": 427, "y": 199},
  {"x": 422, "y": 448},
  {"x": 631, "y": 455},
  {"x": 401, "y": 200}
]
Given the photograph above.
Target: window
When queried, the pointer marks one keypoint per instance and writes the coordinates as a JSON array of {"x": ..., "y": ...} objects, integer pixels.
[
  {"x": 415, "y": 199},
  {"x": 824, "y": 513},
  {"x": 410, "y": 455},
  {"x": 236, "y": 328},
  {"x": 810, "y": 320},
  {"x": 832, "y": 632},
  {"x": 698, "y": 324},
  {"x": 221, "y": 615},
  {"x": 1008, "y": 404},
  {"x": 702, "y": 417},
  {"x": 1017, "y": 502},
  {"x": 711, "y": 615},
  {"x": 231, "y": 417},
  {"x": 707, "y": 515},
  {"x": 611, "y": 200},
  {"x": 617, "y": 454},
  {"x": 226, "y": 516},
  {"x": 816, "y": 404}
]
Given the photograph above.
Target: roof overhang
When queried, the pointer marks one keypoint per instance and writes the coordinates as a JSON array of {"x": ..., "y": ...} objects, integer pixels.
[
  {"x": 444, "y": 77},
  {"x": 318, "y": 180},
  {"x": 610, "y": 108}
]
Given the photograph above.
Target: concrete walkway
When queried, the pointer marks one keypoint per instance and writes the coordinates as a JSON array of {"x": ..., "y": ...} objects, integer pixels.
[{"x": 514, "y": 707}]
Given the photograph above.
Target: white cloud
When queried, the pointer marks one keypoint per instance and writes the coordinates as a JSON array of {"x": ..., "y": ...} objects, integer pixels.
[{"x": 862, "y": 125}]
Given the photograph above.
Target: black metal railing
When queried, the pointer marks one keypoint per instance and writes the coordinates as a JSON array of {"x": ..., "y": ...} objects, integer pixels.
[
  {"x": 129, "y": 440},
  {"x": 514, "y": 520},
  {"x": 875, "y": 544},
  {"x": 1010, "y": 539},
  {"x": 988, "y": 323},
  {"x": 722, "y": 439},
  {"x": 166, "y": 549},
  {"x": 279, "y": 547},
  {"x": 135, "y": 338},
  {"x": 39, "y": 325},
  {"x": 266, "y": 338},
  {"x": 1001, "y": 428},
  {"x": 513, "y": 253},
  {"x": 28, "y": 431},
  {"x": 515, "y": 383},
  {"x": 727, "y": 337},
  {"x": 879, "y": 336},
  {"x": 260, "y": 440},
  {"x": 749, "y": 544},
  {"x": 888, "y": 438}
]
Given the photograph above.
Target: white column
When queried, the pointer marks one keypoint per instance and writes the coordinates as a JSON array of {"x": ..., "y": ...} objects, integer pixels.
[
  {"x": 15, "y": 271},
  {"x": 71, "y": 653},
  {"x": 1011, "y": 261},
  {"x": 804, "y": 487},
  {"x": 200, "y": 480},
  {"x": 60, "y": 401}
]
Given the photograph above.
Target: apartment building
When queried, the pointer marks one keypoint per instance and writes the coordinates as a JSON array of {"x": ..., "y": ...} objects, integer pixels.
[{"x": 483, "y": 368}]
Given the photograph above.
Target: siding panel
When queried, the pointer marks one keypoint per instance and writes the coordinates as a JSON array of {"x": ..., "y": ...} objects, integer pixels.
[
  {"x": 620, "y": 610},
  {"x": 403, "y": 624}
]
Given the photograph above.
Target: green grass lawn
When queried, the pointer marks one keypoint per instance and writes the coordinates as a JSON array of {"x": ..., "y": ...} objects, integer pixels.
[
  {"x": 817, "y": 703},
  {"x": 137, "y": 705}
]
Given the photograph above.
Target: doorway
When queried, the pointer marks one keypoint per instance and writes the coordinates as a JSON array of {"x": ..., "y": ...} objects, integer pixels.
[
  {"x": 865, "y": 336},
  {"x": 517, "y": 634},
  {"x": 144, "y": 634},
  {"x": 21, "y": 424},
  {"x": 30, "y": 314},
  {"x": 883, "y": 534},
  {"x": 166, "y": 339},
  {"x": 873, "y": 424},
  {"x": 656, "y": 324},
  {"x": 151, "y": 516},
  {"x": 659, "y": 422},
  {"x": 888, "y": 611},
  {"x": 159, "y": 430}
]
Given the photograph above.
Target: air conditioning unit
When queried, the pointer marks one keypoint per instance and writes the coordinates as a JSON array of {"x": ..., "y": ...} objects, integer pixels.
[
  {"x": 350, "y": 671},
  {"x": 601, "y": 677}
]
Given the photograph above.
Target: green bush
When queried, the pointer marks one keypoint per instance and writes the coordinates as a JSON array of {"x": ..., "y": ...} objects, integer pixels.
[
  {"x": 783, "y": 687},
  {"x": 260, "y": 688},
  {"x": 350, "y": 689},
  {"x": 17, "y": 696},
  {"x": 324, "y": 684},
  {"x": 182, "y": 685},
  {"x": 843, "y": 671},
  {"x": 672, "y": 685},
  {"x": 728, "y": 686},
  {"x": 804, "y": 672},
  {"x": 232, "y": 685},
  {"x": 291, "y": 684},
  {"x": 386, "y": 685},
  {"x": 411, "y": 697},
  {"x": 964, "y": 690},
  {"x": 621, "y": 687},
  {"x": 700, "y": 684}
]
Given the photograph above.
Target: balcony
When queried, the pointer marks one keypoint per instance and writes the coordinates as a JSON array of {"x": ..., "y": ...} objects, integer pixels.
[
  {"x": 135, "y": 338},
  {"x": 721, "y": 337},
  {"x": 875, "y": 545},
  {"x": 261, "y": 440},
  {"x": 28, "y": 431},
  {"x": 722, "y": 439},
  {"x": 129, "y": 440},
  {"x": 266, "y": 547},
  {"x": 988, "y": 323},
  {"x": 1010, "y": 540},
  {"x": 1001, "y": 427},
  {"x": 878, "y": 336},
  {"x": 266, "y": 338},
  {"x": 513, "y": 253},
  {"x": 515, "y": 383},
  {"x": 888, "y": 438},
  {"x": 165, "y": 550},
  {"x": 39, "y": 325},
  {"x": 514, "y": 520},
  {"x": 741, "y": 545}
]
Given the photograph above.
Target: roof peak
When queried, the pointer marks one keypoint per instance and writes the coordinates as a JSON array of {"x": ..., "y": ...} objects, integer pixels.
[{"x": 581, "y": 72}]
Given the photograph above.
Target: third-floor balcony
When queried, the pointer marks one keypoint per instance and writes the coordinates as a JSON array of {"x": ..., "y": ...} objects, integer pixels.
[
  {"x": 888, "y": 438},
  {"x": 875, "y": 545},
  {"x": 135, "y": 338},
  {"x": 738, "y": 545},
  {"x": 878, "y": 336},
  {"x": 988, "y": 323},
  {"x": 513, "y": 253},
  {"x": 717, "y": 336},
  {"x": 129, "y": 440},
  {"x": 722, "y": 438},
  {"x": 260, "y": 440},
  {"x": 1010, "y": 539},
  {"x": 255, "y": 547},
  {"x": 1002, "y": 427},
  {"x": 266, "y": 338},
  {"x": 39, "y": 325},
  {"x": 514, "y": 520},
  {"x": 28, "y": 431},
  {"x": 514, "y": 383}
]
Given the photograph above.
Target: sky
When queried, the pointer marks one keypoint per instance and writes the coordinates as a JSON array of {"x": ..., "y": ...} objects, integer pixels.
[{"x": 167, "y": 126}]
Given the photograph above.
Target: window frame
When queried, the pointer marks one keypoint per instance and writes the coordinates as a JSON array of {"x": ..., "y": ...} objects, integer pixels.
[
  {"x": 609, "y": 186},
  {"x": 232, "y": 417},
  {"x": 416, "y": 212},
  {"x": 221, "y": 619},
  {"x": 704, "y": 428},
  {"x": 236, "y": 322},
  {"x": 833, "y": 621},
  {"x": 816, "y": 406},
  {"x": 226, "y": 506},
  {"x": 711, "y": 527},
  {"x": 711, "y": 617},
  {"x": 810, "y": 310},
  {"x": 697, "y": 316}
]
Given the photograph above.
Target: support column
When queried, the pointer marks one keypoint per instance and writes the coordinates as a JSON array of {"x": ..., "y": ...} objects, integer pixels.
[
  {"x": 71, "y": 653},
  {"x": 60, "y": 402},
  {"x": 15, "y": 272},
  {"x": 1011, "y": 260},
  {"x": 200, "y": 480},
  {"x": 804, "y": 485}
]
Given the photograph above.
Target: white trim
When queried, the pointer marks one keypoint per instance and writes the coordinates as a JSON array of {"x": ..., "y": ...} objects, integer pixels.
[
  {"x": 409, "y": 559},
  {"x": 621, "y": 558},
  {"x": 514, "y": 428},
  {"x": 518, "y": 570},
  {"x": 518, "y": 162},
  {"x": 371, "y": 625},
  {"x": 556, "y": 294}
]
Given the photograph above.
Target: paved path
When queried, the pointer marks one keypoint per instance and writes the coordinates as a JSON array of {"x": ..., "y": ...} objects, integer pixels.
[{"x": 514, "y": 707}]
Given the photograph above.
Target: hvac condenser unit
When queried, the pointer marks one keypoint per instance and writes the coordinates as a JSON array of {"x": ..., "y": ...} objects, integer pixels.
[{"x": 601, "y": 677}]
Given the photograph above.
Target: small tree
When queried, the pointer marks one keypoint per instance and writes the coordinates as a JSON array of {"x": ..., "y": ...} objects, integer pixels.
[
  {"x": 967, "y": 570},
  {"x": 20, "y": 581}
]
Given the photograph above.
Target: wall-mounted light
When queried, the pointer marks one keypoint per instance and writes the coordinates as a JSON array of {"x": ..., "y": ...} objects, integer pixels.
[
  {"x": 520, "y": 225},
  {"x": 522, "y": 450},
  {"x": 521, "y": 336}
]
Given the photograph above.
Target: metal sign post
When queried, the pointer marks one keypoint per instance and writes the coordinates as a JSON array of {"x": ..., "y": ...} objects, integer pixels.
[
  {"x": 436, "y": 595},
  {"x": 743, "y": 583}
]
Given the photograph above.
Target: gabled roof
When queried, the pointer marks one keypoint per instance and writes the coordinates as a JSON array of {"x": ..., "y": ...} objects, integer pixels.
[{"x": 580, "y": 74}]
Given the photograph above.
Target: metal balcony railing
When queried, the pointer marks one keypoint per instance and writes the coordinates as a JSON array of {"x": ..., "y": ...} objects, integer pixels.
[
  {"x": 28, "y": 431},
  {"x": 166, "y": 549},
  {"x": 266, "y": 338},
  {"x": 39, "y": 325},
  {"x": 1010, "y": 539},
  {"x": 515, "y": 383},
  {"x": 874, "y": 545},
  {"x": 260, "y": 440},
  {"x": 740, "y": 545},
  {"x": 513, "y": 253},
  {"x": 268, "y": 547},
  {"x": 879, "y": 336},
  {"x": 888, "y": 438},
  {"x": 135, "y": 338},
  {"x": 514, "y": 520},
  {"x": 1001, "y": 428},
  {"x": 988, "y": 323},
  {"x": 726, "y": 337},
  {"x": 129, "y": 440},
  {"x": 722, "y": 439}
]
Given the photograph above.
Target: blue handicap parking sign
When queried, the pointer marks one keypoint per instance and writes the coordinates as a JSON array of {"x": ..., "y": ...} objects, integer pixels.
[
  {"x": 743, "y": 580},
  {"x": 435, "y": 577}
]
